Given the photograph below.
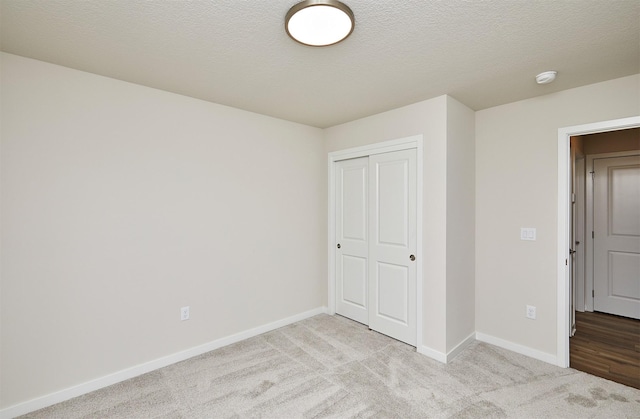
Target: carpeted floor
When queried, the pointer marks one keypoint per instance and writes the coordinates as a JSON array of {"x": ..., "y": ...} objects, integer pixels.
[{"x": 328, "y": 366}]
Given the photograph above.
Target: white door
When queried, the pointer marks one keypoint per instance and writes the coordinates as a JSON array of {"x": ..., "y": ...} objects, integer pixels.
[
  {"x": 352, "y": 248},
  {"x": 376, "y": 242},
  {"x": 616, "y": 227},
  {"x": 392, "y": 245}
]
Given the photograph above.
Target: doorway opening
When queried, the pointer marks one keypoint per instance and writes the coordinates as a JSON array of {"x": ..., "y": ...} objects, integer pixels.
[
  {"x": 564, "y": 246},
  {"x": 605, "y": 255}
]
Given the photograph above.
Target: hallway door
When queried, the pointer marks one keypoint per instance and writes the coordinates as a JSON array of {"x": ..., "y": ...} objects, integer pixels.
[{"x": 616, "y": 236}]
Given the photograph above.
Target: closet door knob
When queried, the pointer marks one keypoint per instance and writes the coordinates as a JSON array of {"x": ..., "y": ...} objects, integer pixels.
[
  {"x": 412, "y": 257},
  {"x": 338, "y": 246}
]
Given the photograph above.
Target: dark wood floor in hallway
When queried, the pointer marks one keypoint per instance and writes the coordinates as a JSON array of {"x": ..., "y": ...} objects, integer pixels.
[{"x": 607, "y": 346}]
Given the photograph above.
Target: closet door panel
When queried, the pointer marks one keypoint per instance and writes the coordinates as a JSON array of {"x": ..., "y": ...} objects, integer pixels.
[
  {"x": 352, "y": 236},
  {"x": 392, "y": 244}
]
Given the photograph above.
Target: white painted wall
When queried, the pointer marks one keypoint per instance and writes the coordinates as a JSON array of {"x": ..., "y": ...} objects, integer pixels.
[
  {"x": 516, "y": 186},
  {"x": 430, "y": 118},
  {"x": 122, "y": 203},
  {"x": 460, "y": 223}
]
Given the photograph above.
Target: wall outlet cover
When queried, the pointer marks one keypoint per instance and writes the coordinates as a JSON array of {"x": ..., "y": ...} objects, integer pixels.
[
  {"x": 184, "y": 313},
  {"x": 531, "y": 312}
]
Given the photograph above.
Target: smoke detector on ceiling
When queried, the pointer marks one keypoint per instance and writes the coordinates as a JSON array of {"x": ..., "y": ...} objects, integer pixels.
[{"x": 546, "y": 77}]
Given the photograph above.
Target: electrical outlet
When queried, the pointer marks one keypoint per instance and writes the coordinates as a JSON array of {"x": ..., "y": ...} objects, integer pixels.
[
  {"x": 531, "y": 312},
  {"x": 184, "y": 313}
]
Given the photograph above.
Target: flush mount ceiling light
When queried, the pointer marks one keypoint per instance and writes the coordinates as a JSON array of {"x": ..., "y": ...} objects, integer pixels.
[
  {"x": 319, "y": 23},
  {"x": 546, "y": 77}
]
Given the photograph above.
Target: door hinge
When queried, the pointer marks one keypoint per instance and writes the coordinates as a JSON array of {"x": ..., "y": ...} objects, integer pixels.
[
  {"x": 593, "y": 294},
  {"x": 593, "y": 235},
  {"x": 566, "y": 262}
]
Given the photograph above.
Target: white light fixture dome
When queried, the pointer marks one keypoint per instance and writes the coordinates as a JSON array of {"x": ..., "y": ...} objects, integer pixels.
[
  {"x": 319, "y": 23},
  {"x": 546, "y": 77}
]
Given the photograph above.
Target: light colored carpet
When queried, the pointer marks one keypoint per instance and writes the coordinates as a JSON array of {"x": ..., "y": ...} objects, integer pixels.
[{"x": 331, "y": 367}]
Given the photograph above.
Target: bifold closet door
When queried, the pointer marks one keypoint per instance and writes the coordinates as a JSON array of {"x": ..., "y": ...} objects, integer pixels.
[{"x": 376, "y": 242}]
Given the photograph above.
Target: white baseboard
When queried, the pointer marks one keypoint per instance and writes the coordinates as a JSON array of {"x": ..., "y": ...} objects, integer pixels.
[
  {"x": 432, "y": 353},
  {"x": 461, "y": 347},
  {"x": 521, "y": 349},
  {"x": 122, "y": 375},
  {"x": 447, "y": 357}
]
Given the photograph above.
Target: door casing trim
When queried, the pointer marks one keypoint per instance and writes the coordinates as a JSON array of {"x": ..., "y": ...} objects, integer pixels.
[{"x": 406, "y": 143}]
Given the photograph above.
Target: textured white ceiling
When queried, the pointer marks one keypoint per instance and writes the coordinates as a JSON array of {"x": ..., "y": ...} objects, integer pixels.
[{"x": 236, "y": 52}]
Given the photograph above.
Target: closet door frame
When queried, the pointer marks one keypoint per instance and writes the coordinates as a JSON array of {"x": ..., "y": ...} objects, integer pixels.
[{"x": 407, "y": 143}]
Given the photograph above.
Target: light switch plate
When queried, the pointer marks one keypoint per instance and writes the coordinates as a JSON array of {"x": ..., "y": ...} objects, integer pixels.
[{"x": 527, "y": 233}]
